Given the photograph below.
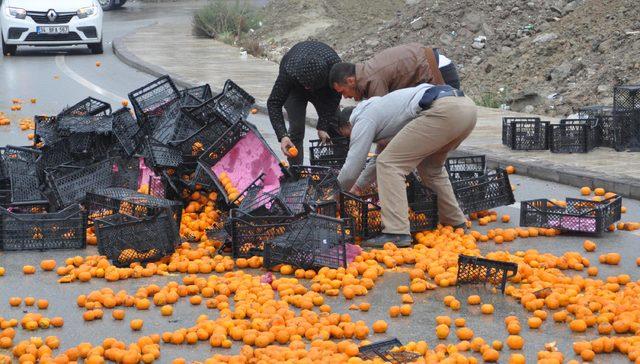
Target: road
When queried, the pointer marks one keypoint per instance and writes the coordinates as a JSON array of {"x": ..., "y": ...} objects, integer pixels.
[{"x": 60, "y": 77}]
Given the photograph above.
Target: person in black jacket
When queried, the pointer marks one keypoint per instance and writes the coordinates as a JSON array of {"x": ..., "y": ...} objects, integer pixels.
[{"x": 303, "y": 78}]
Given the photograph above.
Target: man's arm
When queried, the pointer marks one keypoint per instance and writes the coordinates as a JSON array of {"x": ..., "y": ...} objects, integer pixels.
[
  {"x": 377, "y": 87},
  {"x": 279, "y": 95},
  {"x": 361, "y": 139}
]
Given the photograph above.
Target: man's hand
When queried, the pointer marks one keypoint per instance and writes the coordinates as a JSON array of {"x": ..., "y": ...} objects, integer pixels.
[
  {"x": 324, "y": 136},
  {"x": 285, "y": 144}
]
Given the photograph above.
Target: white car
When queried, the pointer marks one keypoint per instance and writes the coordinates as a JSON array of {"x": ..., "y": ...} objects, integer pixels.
[{"x": 50, "y": 23}]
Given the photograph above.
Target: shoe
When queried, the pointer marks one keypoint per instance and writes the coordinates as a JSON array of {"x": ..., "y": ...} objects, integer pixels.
[{"x": 400, "y": 240}]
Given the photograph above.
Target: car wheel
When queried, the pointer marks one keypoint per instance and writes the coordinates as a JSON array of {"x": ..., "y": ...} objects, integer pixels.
[
  {"x": 122, "y": 2},
  {"x": 96, "y": 48},
  {"x": 106, "y": 4},
  {"x": 8, "y": 49}
]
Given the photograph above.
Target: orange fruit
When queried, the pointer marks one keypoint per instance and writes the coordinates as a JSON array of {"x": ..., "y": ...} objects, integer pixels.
[
  {"x": 166, "y": 310},
  {"x": 364, "y": 306},
  {"x": 48, "y": 265},
  {"x": 473, "y": 300},
  {"x": 490, "y": 355},
  {"x": 534, "y": 322},
  {"x": 442, "y": 331},
  {"x": 487, "y": 309},
  {"x": 515, "y": 342},
  {"x": 589, "y": 246},
  {"x": 587, "y": 355},
  {"x": 28, "y": 269},
  {"x": 405, "y": 310},
  {"x": 510, "y": 169},
  {"x": 464, "y": 333},
  {"x": 460, "y": 322},
  {"x": 15, "y": 301},
  {"x": 517, "y": 359},
  {"x": 599, "y": 191},
  {"x": 394, "y": 311},
  {"x": 29, "y": 301},
  {"x": 293, "y": 152},
  {"x": 497, "y": 344},
  {"x": 118, "y": 314},
  {"x": 136, "y": 324},
  {"x": 585, "y": 191},
  {"x": 379, "y": 326},
  {"x": 578, "y": 325},
  {"x": 506, "y": 218},
  {"x": 43, "y": 304}
]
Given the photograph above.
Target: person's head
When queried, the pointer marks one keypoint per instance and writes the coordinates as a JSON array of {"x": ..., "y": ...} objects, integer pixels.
[
  {"x": 342, "y": 78},
  {"x": 344, "y": 126}
]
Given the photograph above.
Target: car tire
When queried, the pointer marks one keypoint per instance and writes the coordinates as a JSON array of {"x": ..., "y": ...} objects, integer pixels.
[
  {"x": 107, "y": 4},
  {"x": 8, "y": 49},
  {"x": 96, "y": 48},
  {"x": 122, "y": 2}
]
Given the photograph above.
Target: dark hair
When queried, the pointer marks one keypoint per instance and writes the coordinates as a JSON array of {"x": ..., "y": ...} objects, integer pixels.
[
  {"x": 340, "y": 71},
  {"x": 344, "y": 115}
]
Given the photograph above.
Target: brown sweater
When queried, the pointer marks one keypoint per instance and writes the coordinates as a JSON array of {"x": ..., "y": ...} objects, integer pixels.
[{"x": 393, "y": 69}]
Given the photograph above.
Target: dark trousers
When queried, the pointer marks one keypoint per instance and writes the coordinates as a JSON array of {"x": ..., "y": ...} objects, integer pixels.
[
  {"x": 450, "y": 75},
  {"x": 296, "y": 106}
]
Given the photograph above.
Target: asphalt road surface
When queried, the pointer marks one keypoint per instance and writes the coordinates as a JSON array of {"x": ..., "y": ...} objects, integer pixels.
[{"x": 57, "y": 77}]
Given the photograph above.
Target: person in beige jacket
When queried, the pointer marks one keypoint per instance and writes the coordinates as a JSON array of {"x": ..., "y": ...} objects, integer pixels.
[{"x": 394, "y": 68}]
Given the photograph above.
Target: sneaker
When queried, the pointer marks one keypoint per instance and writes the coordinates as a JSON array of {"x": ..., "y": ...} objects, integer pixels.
[{"x": 400, "y": 240}]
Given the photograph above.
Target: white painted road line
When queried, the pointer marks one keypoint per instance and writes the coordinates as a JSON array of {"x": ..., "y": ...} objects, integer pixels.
[{"x": 62, "y": 65}]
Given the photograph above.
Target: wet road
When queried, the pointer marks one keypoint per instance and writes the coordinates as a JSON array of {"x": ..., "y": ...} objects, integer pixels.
[{"x": 59, "y": 77}]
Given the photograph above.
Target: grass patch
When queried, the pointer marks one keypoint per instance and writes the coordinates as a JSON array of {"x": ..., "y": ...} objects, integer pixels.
[{"x": 225, "y": 20}]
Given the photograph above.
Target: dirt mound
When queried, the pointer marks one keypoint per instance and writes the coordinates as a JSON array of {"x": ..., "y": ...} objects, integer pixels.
[{"x": 545, "y": 56}]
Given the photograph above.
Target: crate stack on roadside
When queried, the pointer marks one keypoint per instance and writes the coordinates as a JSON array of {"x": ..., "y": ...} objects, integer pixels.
[{"x": 616, "y": 127}]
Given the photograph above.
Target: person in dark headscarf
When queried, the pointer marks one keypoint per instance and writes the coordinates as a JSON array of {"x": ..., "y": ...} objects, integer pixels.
[{"x": 303, "y": 78}]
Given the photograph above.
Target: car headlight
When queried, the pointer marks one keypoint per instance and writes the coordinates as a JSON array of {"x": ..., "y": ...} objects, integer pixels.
[
  {"x": 87, "y": 12},
  {"x": 17, "y": 13}
]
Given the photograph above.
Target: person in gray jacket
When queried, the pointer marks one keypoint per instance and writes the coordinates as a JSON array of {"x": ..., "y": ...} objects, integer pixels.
[{"x": 421, "y": 125}]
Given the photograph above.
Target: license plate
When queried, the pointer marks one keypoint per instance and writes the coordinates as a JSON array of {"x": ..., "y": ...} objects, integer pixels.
[{"x": 53, "y": 30}]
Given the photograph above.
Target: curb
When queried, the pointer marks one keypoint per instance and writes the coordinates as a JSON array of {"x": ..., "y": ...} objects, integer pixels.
[{"x": 627, "y": 187}]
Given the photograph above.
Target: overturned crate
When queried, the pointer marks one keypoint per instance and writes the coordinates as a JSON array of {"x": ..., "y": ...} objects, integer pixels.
[
  {"x": 125, "y": 239},
  {"x": 460, "y": 168},
  {"x": 234, "y": 103},
  {"x": 477, "y": 270},
  {"x": 311, "y": 243},
  {"x": 153, "y": 97},
  {"x": 26, "y": 230},
  {"x": 249, "y": 234},
  {"x": 484, "y": 192},
  {"x": 116, "y": 200},
  {"x": 87, "y": 107},
  {"x": 241, "y": 155},
  {"x": 575, "y": 215},
  {"x": 389, "y": 351}
]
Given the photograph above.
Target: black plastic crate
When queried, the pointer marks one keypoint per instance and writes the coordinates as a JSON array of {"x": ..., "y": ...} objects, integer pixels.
[
  {"x": 323, "y": 179},
  {"x": 385, "y": 351},
  {"x": 45, "y": 130},
  {"x": 197, "y": 180},
  {"x": 68, "y": 125},
  {"x": 207, "y": 112},
  {"x": 330, "y": 154},
  {"x": 525, "y": 133},
  {"x": 202, "y": 92},
  {"x": 171, "y": 123},
  {"x": 477, "y": 270},
  {"x": 423, "y": 205},
  {"x": 574, "y": 136},
  {"x": 126, "y": 129},
  {"x": 23, "y": 182},
  {"x": 579, "y": 216},
  {"x": 484, "y": 192},
  {"x": 64, "y": 229},
  {"x": 460, "y": 168},
  {"x": 626, "y": 116},
  {"x": 195, "y": 143},
  {"x": 126, "y": 239},
  {"x": 153, "y": 96},
  {"x": 311, "y": 243},
  {"x": 160, "y": 155},
  {"x": 73, "y": 187},
  {"x": 364, "y": 210},
  {"x": 234, "y": 103},
  {"x": 87, "y": 107},
  {"x": 109, "y": 201},
  {"x": 53, "y": 156},
  {"x": 297, "y": 195},
  {"x": 257, "y": 202},
  {"x": 250, "y": 233}
]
